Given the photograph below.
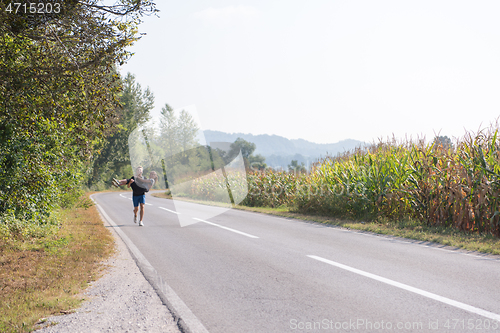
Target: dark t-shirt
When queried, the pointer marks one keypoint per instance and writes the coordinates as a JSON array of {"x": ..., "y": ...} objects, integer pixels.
[{"x": 136, "y": 189}]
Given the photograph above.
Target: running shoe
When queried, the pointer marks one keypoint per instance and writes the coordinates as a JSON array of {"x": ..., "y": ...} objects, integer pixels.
[
  {"x": 135, "y": 218},
  {"x": 140, "y": 223}
]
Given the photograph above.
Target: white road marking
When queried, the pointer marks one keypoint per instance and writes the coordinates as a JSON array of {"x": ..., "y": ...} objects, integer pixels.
[
  {"x": 168, "y": 210},
  {"x": 121, "y": 195},
  {"x": 230, "y": 229},
  {"x": 480, "y": 257},
  {"x": 398, "y": 241},
  {"x": 362, "y": 233},
  {"x": 379, "y": 236},
  {"x": 437, "y": 248},
  {"x": 166, "y": 293},
  {"x": 421, "y": 292}
]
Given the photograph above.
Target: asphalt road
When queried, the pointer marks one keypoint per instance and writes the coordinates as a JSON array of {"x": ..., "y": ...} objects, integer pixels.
[{"x": 250, "y": 272}]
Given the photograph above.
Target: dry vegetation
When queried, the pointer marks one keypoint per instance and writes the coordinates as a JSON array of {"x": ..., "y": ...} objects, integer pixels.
[{"x": 42, "y": 276}]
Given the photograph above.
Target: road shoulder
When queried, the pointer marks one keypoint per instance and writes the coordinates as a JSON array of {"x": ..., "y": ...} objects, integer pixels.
[{"x": 120, "y": 301}]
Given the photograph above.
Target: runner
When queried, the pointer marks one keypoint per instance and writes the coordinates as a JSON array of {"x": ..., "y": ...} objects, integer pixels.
[{"x": 138, "y": 192}]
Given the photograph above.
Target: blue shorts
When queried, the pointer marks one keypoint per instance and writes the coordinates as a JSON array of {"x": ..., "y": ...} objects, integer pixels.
[{"x": 137, "y": 199}]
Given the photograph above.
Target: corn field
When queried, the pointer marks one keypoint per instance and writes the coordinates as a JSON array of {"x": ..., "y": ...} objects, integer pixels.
[
  {"x": 454, "y": 186},
  {"x": 448, "y": 186}
]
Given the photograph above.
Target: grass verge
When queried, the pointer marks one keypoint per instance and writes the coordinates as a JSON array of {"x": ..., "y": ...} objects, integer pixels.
[
  {"x": 44, "y": 276},
  {"x": 484, "y": 243}
]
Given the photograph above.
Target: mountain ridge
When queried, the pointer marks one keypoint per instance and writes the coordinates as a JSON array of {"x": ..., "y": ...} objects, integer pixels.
[{"x": 279, "y": 151}]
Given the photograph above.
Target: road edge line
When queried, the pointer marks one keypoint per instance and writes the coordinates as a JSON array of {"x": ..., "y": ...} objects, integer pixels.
[
  {"x": 418, "y": 291},
  {"x": 186, "y": 320}
]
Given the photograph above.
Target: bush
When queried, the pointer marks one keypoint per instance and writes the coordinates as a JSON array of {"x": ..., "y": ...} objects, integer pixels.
[
  {"x": 71, "y": 197},
  {"x": 12, "y": 228}
]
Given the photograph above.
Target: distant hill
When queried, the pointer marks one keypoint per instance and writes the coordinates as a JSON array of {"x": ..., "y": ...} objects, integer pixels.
[{"x": 280, "y": 151}]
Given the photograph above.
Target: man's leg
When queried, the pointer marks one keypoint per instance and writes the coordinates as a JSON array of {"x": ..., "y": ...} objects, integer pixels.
[
  {"x": 136, "y": 208},
  {"x": 142, "y": 211},
  {"x": 135, "y": 200},
  {"x": 142, "y": 202},
  {"x": 120, "y": 182}
]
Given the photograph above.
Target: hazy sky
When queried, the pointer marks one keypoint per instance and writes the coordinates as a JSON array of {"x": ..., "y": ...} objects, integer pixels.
[{"x": 326, "y": 70}]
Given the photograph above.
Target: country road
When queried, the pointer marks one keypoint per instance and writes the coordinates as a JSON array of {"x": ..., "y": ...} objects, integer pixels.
[{"x": 250, "y": 272}]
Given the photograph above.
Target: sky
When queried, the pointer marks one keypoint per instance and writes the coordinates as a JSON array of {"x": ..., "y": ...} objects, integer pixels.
[{"x": 326, "y": 71}]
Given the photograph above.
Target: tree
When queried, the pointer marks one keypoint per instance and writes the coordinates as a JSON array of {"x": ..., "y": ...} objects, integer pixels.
[
  {"x": 168, "y": 128},
  {"x": 58, "y": 95},
  {"x": 178, "y": 133},
  {"x": 247, "y": 149},
  {"x": 257, "y": 162},
  {"x": 187, "y": 131},
  {"x": 294, "y": 166},
  {"x": 178, "y": 140},
  {"x": 443, "y": 142},
  {"x": 113, "y": 156}
]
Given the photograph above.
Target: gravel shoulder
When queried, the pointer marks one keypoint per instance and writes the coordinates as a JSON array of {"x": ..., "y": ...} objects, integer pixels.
[{"x": 122, "y": 300}]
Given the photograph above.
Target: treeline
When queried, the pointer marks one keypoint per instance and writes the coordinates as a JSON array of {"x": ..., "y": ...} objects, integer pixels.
[
  {"x": 60, "y": 98},
  {"x": 111, "y": 157},
  {"x": 171, "y": 145}
]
